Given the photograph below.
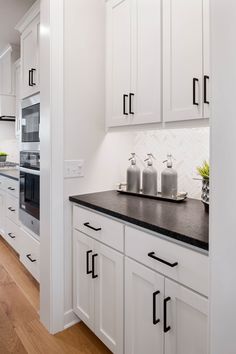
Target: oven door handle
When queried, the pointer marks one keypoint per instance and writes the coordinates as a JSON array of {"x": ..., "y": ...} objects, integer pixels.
[{"x": 28, "y": 170}]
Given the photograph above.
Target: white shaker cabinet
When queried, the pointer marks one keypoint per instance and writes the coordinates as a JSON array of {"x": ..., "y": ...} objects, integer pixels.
[
  {"x": 187, "y": 320},
  {"x": 2, "y": 208},
  {"x": 29, "y": 28},
  {"x": 144, "y": 294},
  {"x": 185, "y": 84},
  {"x": 18, "y": 97},
  {"x": 133, "y": 82},
  {"x": 98, "y": 289}
]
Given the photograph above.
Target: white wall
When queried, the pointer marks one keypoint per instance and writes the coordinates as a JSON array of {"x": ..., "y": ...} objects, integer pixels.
[
  {"x": 8, "y": 142},
  {"x": 223, "y": 177}
]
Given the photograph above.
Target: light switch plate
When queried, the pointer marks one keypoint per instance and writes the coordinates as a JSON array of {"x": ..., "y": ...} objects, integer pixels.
[{"x": 73, "y": 168}]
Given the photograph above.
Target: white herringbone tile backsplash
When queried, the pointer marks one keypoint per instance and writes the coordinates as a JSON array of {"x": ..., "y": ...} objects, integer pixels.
[{"x": 190, "y": 147}]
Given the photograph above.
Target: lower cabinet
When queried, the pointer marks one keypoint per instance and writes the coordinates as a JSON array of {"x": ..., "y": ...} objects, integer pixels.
[
  {"x": 30, "y": 254},
  {"x": 162, "y": 316},
  {"x": 2, "y": 211},
  {"x": 98, "y": 289}
]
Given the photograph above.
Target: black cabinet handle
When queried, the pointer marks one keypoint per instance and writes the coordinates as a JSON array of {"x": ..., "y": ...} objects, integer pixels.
[
  {"x": 195, "y": 80},
  {"x": 124, "y": 105},
  {"x": 130, "y": 103},
  {"x": 166, "y": 327},
  {"x": 91, "y": 227},
  {"x": 11, "y": 236},
  {"x": 154, "y": 296},
  {"x": 29, "y": 257},
  {"x": 206, "y": 77},
  {"x": 87, "y": 262},
  {"x": 32, "y": 77},
  {"x": 152, "y": 255},
  {"x": 10, "y": 208},
  {"x": 93, "y": 266},
  {"x": 11, "y": 189}
]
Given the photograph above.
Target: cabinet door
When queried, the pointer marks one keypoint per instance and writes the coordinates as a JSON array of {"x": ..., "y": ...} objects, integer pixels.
[
  {"x": 206, "y": 63},
  {"x": 30, "y": 57},
  {"x": 187, "y": 319},
  {"x": 18, "y": 98},
  {"x": 146, "y": 61},
  {"x": 182, "y": 59},
  {"x": 118, "y": 62},
  {"x": 2, "y": 212},
  {"x": 144, "y": 293},
  {"x": 6, "y": 74},
  {"x": 108, "y": 268},
  {"x": 83, "y": 292}
]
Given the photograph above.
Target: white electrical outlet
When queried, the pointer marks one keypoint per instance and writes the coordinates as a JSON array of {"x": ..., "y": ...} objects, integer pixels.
[{"x": 73, "y": 168}]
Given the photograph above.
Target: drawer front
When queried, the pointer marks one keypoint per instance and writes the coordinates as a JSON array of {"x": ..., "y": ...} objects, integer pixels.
[
  {"x": 99, "y": 227},
  {"x": 13, "y": 235},
  {"x": 191, "y": 270},
  {"x": 2, "y": 182},
  {"x": 12, "y": 209},
  {"x": 30, "y": 254},
  {"x": 12, "y": 187}
]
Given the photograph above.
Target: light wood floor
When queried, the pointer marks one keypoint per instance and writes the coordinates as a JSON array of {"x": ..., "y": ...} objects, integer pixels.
[{"x": 20, "y": 329}]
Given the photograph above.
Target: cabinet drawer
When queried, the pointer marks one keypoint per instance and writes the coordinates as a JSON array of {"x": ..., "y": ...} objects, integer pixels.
[
  {"x": 30, "y": 254},
  {"x": 12, "y": 187},
  {"x": 191, "y": 269},
  {"x": 13, "y": 235},
  {"x": 99, "y": 227},
  {"x": 12, "y": 209}
]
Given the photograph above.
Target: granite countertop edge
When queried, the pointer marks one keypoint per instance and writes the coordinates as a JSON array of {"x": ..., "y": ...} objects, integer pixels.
[
  {"x": 7, "y": 175},
  {"x": 155, "y": 228}
]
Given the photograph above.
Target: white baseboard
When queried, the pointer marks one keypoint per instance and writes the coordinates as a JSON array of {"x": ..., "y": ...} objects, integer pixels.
[{"x": 70, "y": 319}]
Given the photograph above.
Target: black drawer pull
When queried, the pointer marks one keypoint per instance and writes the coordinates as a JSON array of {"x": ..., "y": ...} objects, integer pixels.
[
  {"x": 11, "y": 189},
  {"x": 195, "y": 80},
  {"x": 11, "y": 235},
  {"x": 29, "y": 257},
  {"x": 124, "y": 105},
  {"x": 206, "y": 77},
  {"x": 166, "y": 328},
  {"x": 91, "y": 227},
  {"x": 130, "y": 103},
  {"x": 152, "y": 255},
  {"x": 10, "y": 208},
  {"x": 93, "y": 266},
  {"x": 87, "y": 262},
  {"x": 154, "y": 296}
]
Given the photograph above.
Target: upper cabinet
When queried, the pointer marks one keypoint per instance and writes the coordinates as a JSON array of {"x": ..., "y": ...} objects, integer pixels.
[
  {"x": 29, "y": 28},
  {"x": 133, "y": 62},
  {"x": 185, "y": 81},
  {"x": 18, "y": 97},
  {"x": 157, "y": 61}
]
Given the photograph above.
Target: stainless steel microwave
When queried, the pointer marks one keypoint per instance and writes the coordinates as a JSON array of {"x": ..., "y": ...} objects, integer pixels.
[{"x": 30, "y": 124}]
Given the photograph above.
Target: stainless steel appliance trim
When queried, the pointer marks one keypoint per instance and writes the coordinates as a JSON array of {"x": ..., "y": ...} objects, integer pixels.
[
  {"x": 30, "y": 171},
  {"x": 30, "y": 222},
  {"x": 32, "y": 147},
  {"x": 30, "y": 101}
]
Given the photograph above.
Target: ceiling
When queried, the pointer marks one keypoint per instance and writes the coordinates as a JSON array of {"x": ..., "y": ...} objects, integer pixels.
[{"x": 11, "y": 11}]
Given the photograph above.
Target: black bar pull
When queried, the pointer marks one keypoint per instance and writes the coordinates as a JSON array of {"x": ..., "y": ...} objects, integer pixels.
[
  {"x": 152, "y": 255},
  {"x": 87, "y": 262},
  {"x": 154, "y": 296},
  {"x": 32, "y": 77},
  {"x": 130, "y": 103},
  {"x": 29, "y": 257},
  {"x": 91, "y": 227},
  {"x": 11, "y": 189},
  {"x": 206, "y": 77},
  {"x": 11, "y": 235},
  {"x": 166, "y": 328},
  {"x": 10, "y": 208},
  {"x": 124, "y": 105},
  {"x": 195, "y": 80},
  {"x": 93, "y": 266}
]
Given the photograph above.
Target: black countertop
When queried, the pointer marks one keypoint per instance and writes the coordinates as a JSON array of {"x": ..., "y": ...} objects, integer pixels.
[
  {"x": 187, "y": 221},
  {"x": 11, "y": 173}
]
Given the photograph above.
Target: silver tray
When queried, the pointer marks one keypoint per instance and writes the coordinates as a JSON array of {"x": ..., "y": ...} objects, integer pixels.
[{"x": 178, "y": 199}]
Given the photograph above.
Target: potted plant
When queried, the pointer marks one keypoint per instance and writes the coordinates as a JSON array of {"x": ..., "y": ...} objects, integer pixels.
[
  {"x": 204, "y": 172},
  {"x": 3, "y": 157}
]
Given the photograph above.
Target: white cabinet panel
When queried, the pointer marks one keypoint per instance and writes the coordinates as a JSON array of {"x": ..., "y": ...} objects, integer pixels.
[
  {"x": 206, "y": 63},
  {"x": 144, "y": 293},
  {"x": 109, "y": 297},
  {"x": 182, "y": 59},
  {"x": 2, "y": 212},
  {"x": 146, "y": 61},
  {"x": 187, "y": 314},
  {"x": 83, "y": 298},
  {"x": 6, "y": 74},
  {"x": 118, "y": 61},
  {"x": 30, "y": 253}
]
